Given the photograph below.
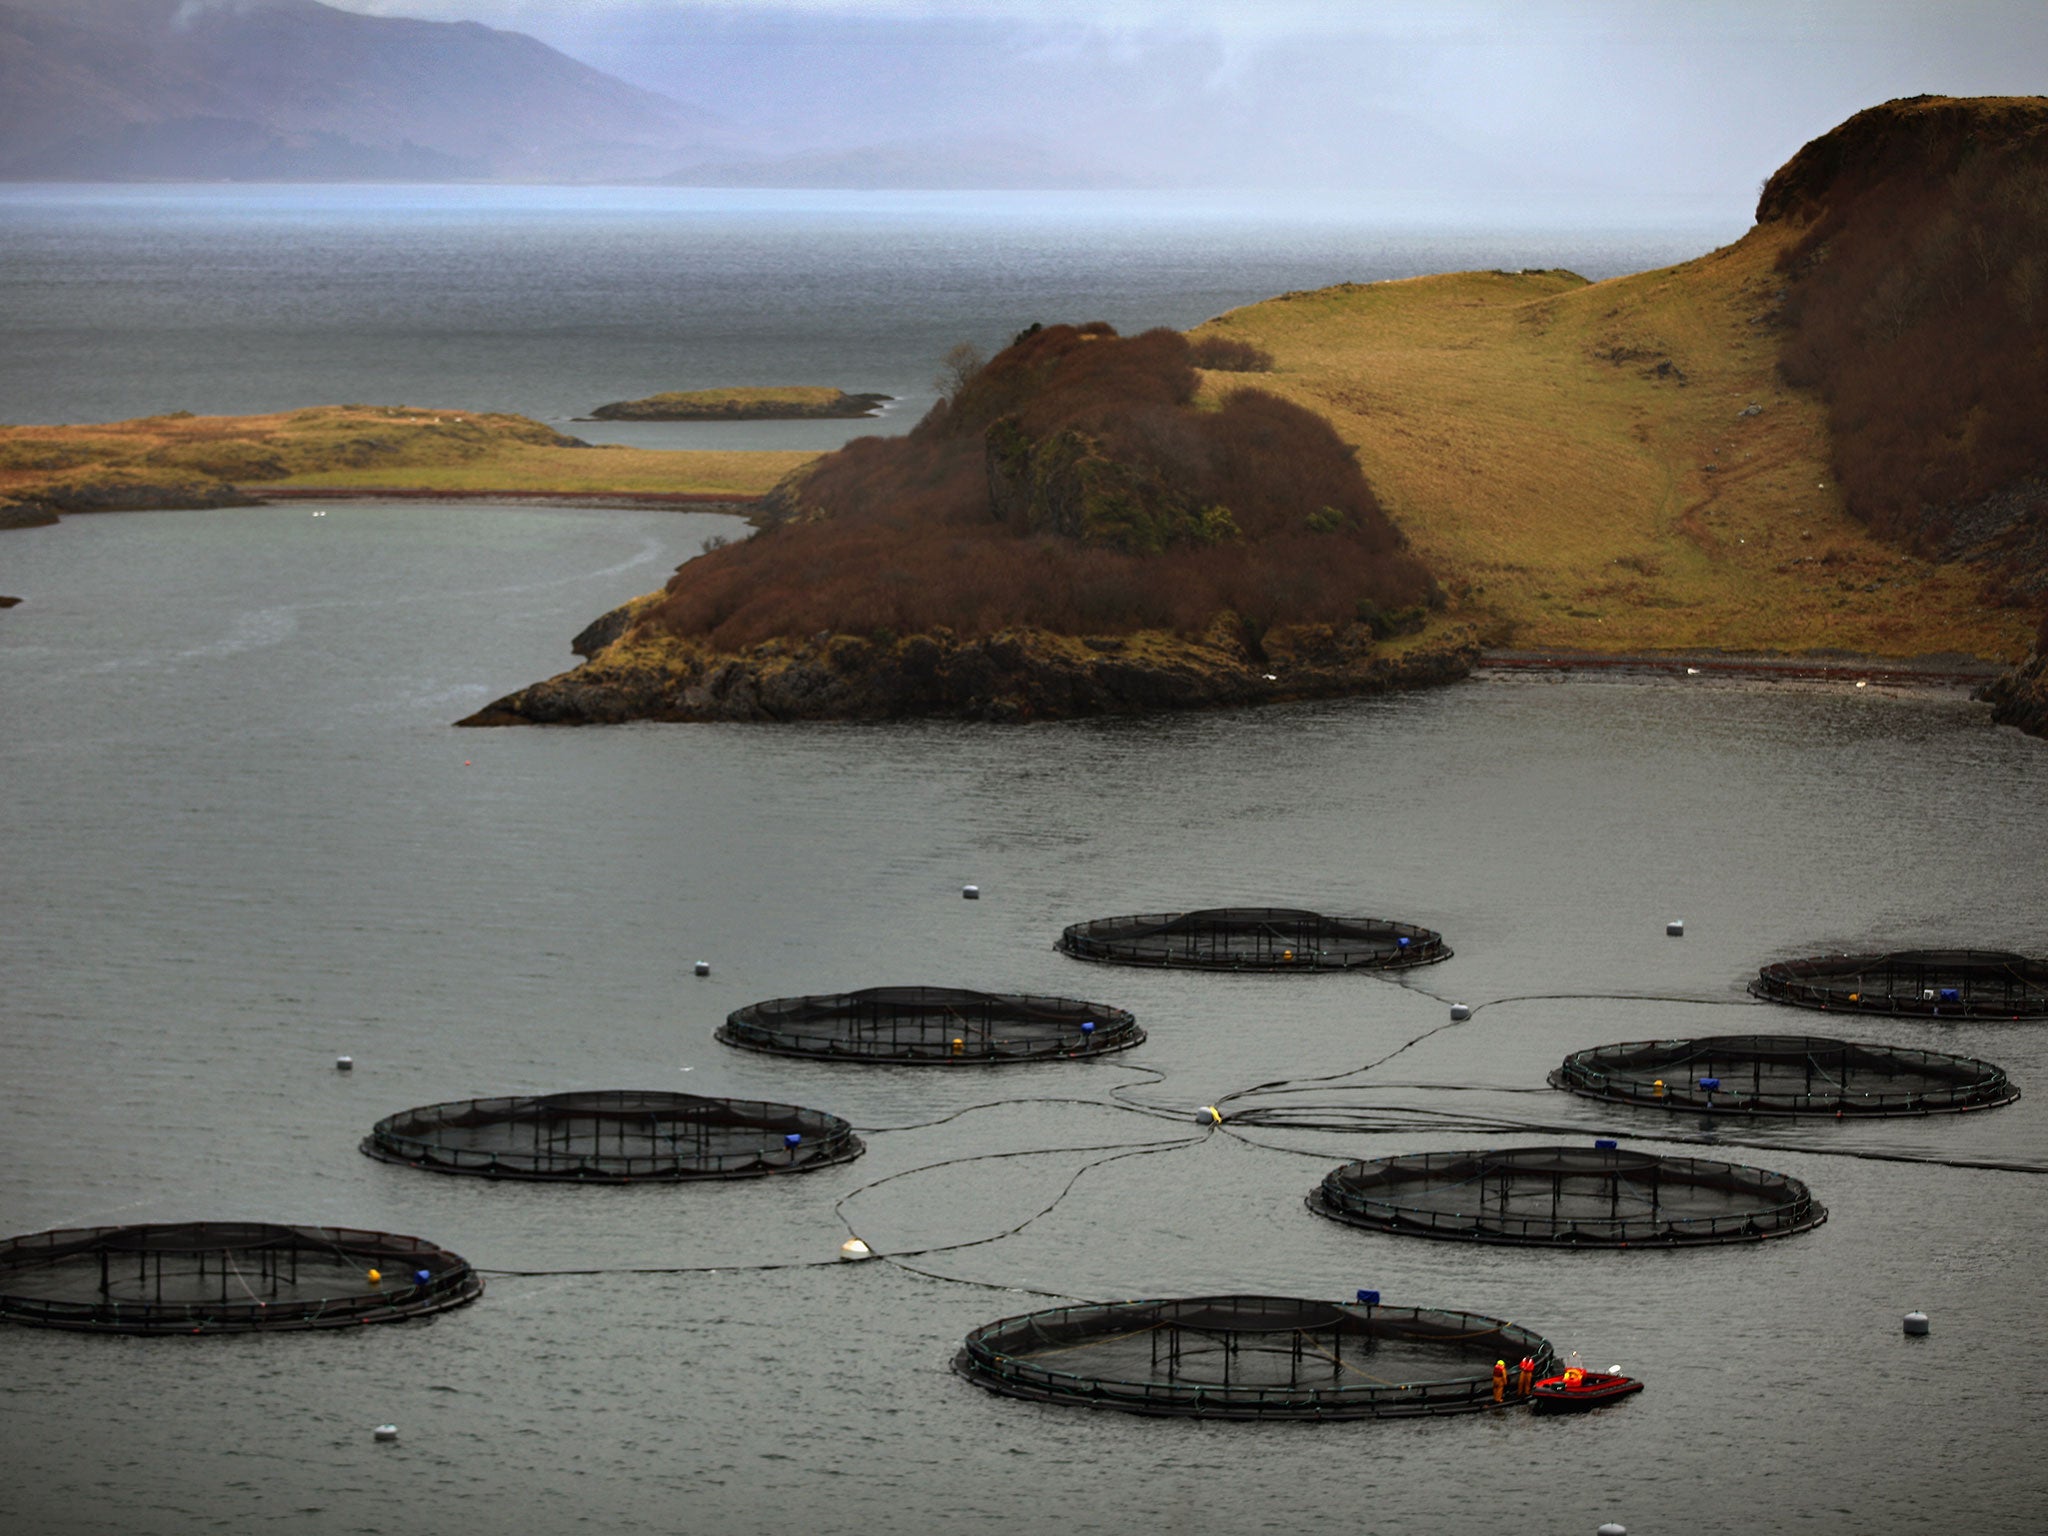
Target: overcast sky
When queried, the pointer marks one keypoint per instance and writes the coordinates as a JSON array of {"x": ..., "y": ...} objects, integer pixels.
[{"x": 1584, "y": 100}]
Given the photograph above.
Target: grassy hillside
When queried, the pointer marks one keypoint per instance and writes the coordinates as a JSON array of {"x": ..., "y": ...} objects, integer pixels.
[
  {"x": 1617, "y": 466},
  {"x": 185, "y": 460}
]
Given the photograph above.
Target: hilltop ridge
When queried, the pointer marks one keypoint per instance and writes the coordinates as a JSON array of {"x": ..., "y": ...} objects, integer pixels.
[{"x": 293, "y": 90}]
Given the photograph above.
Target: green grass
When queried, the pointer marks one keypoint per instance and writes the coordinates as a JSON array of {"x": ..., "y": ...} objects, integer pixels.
[
  {"x": 362, "y": 448},
  {"x": 1572, "y": 460}
]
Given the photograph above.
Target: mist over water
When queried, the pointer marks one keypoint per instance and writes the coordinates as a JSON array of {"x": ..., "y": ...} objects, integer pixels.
[{"x": 125, "y": 301}]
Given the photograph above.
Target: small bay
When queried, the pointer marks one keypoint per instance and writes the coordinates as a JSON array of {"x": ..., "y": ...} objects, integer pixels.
[{"x": 241, "y": 838}]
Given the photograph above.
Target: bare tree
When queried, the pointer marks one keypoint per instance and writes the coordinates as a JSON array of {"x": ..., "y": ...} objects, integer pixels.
[{"x": 957, "y": 371}]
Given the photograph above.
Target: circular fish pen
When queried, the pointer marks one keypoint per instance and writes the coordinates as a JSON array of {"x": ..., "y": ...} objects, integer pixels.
[
  {"x": 1567, "y": 1197},
  {"x": 1249, "y": 1357},
  {"x": 613, "y": 1137},
  {"x": 919, "y": 1026},
  {"x": 1783, "y": 1075},
  {"x": 225, "y": 1277},
  {"x": 1254, "y": 939},
  {"x": 1932, "y": 983}
]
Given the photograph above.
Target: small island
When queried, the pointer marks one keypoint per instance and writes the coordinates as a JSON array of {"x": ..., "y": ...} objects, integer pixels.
[{"x": 795, "y": 402}]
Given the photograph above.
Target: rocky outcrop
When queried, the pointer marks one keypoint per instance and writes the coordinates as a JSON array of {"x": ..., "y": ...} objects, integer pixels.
[
  {"x": 2020, "y": 698},
  {"x": 606, "y": 628},
  {"x": 1011, "y": 676},
  {"x": 119, "y": 491}
]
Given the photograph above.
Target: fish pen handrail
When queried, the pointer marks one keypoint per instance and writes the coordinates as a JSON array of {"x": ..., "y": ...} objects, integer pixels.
[
  {"x": 1707, "y": 1075},
  {"x": 613, "y": 1136},
  {"x": 35, "y": 1268},
  {"x": 1253, "y": 938},
  {"x": 919, "y": 1026},
  {"x": 1787, "y": 1205},
  {"x": 1930, "y": 983},
  {"x": 988, "y": 1357}
]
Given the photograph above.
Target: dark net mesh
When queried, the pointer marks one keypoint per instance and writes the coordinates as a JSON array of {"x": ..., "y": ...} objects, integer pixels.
[
  {"x": 1567, "y": 1197},
  {"x": 1249, "y": 1357},
  {"x": 920, "y": 1025},
  {"x": 1784, "y": 1075},
  {"x": 613, "y": 1137},
  {"x": 1254, "y": 939},
  {"x": 225, "y": 1277},
  {"x": 1936, "y": 983}
]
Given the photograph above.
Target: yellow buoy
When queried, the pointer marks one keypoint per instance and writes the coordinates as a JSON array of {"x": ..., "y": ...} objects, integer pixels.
[{"x": 376, "y": 1277}]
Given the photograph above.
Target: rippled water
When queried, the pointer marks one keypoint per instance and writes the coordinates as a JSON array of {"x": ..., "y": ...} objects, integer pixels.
[{"x": 239, "y": 838}]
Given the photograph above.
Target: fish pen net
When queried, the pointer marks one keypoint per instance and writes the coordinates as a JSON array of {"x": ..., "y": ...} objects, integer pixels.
[
  {"x": 1254, "y": 939},
  {"x": 1935, "y": 983},
  {"x": 915, "y": 1026},
  {"x": 1597, "y": 1197},
  {"x": 613, "y": 1137},
  {"x": 225, "y": 1277},
  {"x": 1784, "y": 1075},
  {"x": 1249, "y": 1357}
]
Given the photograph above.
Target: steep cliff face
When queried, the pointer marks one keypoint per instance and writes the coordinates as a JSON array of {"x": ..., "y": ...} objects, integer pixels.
[{"x": 1918, "y": 308}]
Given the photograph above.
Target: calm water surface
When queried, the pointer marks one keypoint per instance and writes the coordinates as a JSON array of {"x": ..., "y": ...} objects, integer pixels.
[
  {"x": 125, "y": 301},
  {"x": 240, "y": 838}
]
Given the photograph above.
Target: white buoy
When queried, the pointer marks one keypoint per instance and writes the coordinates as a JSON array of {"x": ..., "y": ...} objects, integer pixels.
[
  {"x": 702, "y": 967},
  {"x": 853, "y": 1250},
  {"x": 1674, "y": 929},
  {"x": 344, "y": 1063},
  {"x": 1612, "y": 1529},
  {"x": 1460, "y": 1012},
  {"x": 386, "y": 1432},
  {"x": 1916, "y": 1325},
  {"x": 970, "y": 893}
]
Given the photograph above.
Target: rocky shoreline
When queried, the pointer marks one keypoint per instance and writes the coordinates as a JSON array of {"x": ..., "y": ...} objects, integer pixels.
[
  {"x": 114, "y": 494},
  {"x": 1011, "y": 677},
  {"x": 2020, "y": 698}
]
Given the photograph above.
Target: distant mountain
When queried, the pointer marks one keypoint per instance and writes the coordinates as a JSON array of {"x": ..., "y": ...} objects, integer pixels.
[{"x": 297, "y": 90}]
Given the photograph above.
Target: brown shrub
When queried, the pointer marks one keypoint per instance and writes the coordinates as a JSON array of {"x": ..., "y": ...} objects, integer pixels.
[
  {"x": 1229, "y": 354},
  {"x": 910, "y": 540}
]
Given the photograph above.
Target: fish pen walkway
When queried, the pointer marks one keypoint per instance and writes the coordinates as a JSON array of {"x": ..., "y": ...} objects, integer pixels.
[
  {"x": 1254, "y": 939},
  {"x": 1249, "y": 1357},
  {"x": 1933, "y": 983},
  {"x": 1784, "y": 1075},
  {"x": 1567, "y": 1197},
  {"x": 613, "y": 1136},
  {"x": 225, "y": 1277},
  {"x": 931, "y": 1026}
]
